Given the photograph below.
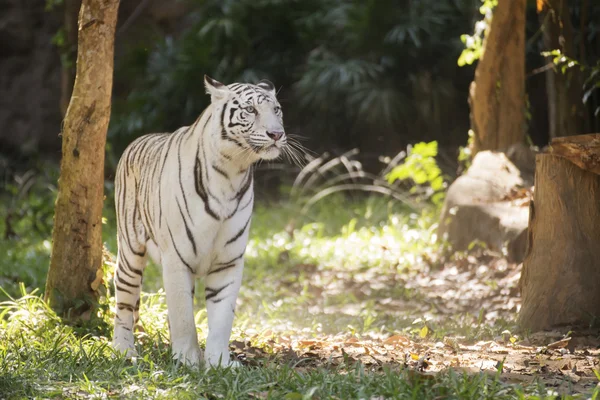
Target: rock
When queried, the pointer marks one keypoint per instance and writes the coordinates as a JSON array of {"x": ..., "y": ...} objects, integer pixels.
[{"x": 489, "y": 203}]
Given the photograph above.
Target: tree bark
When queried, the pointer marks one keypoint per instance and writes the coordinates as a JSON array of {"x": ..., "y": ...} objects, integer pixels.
[
  {"x": 566, "y": 112},
  {"x": 75, "y": 264},
  {"x": 497, "y": 95},
  {"x": 561, "y": 272}
]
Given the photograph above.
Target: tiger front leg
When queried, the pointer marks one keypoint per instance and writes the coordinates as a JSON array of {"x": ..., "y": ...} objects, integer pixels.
[
  {"x": 222, "y": 288},
  {"x": 179, "y": 288}
]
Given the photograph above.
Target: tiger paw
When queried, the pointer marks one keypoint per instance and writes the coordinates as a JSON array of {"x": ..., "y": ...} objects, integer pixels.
[
  {"x": 125, "y": 348},
  {"x": 221, "y": 361},
  {"x": 189, "y": 355}
]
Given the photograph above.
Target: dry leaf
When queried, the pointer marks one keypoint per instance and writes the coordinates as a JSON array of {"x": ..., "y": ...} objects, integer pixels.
[
  {"x": 98, "y": 281},
  {"x": 397, "y": 340}
]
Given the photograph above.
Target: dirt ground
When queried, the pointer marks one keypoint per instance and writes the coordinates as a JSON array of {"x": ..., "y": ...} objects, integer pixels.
[{"x": 484, "y": 287}]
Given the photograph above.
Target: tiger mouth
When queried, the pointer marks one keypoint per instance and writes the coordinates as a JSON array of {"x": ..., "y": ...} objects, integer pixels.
[
  {"x": 271, "y": 151},
  {"x": 266, "y": 148}
]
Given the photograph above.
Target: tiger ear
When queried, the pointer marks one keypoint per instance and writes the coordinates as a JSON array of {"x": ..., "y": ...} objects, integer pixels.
[
  {"x": 267, "y": 85},
  {"x": 216, "y": 89}
]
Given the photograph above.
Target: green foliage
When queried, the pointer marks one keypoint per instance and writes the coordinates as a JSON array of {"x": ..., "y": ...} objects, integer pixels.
[
  {"x": 465, "y": 154},
  {"x": 26, "y": 217},
  {"x": 421, "y": 167},
  {"x": 474, "y": 43},
  {"x": 51, "y": 5},
  {"x": 66, "y": 54},
  {"x": 355, "y": 66},
  {"x": 592, "y": 73}
]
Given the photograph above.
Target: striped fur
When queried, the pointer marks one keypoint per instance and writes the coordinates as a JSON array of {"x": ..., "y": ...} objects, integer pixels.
[{"x": 186, "y": 198}]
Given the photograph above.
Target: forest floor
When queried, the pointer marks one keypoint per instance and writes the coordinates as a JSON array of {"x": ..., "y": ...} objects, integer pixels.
[{"x": 352, "y": 300}]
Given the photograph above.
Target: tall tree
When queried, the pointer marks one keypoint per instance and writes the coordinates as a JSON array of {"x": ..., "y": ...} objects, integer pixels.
[
  {"x": 497, "y": 95},
  {"x": 566, "y": 113},
  {"x": 77, "y": 241}
]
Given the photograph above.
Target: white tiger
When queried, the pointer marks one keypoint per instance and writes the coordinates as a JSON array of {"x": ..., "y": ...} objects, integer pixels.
[{"x": 187, "y": 197}]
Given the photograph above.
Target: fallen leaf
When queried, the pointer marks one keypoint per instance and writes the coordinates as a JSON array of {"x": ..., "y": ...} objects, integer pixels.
[
  {"x": 397, "y": 340},
  {"x": 98, "y": 281}
]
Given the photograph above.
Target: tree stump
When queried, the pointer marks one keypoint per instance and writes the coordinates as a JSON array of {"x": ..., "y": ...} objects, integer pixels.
[{"x": 560, "y": 283}]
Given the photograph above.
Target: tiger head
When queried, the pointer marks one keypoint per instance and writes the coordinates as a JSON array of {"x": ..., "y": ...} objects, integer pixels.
[{"x": 250, "y": 117}]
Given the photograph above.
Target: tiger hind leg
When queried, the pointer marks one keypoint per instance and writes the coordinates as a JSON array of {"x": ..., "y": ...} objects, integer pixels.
[{"x": 128, "y": 286}]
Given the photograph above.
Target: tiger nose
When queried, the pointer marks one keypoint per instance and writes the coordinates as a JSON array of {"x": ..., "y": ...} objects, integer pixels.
[{"x": 276, "y": 135}]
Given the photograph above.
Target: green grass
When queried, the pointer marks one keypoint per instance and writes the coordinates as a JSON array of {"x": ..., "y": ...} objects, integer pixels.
[
  {"x": 306, "y": 275},
  {"x": 40, "y": 357}
]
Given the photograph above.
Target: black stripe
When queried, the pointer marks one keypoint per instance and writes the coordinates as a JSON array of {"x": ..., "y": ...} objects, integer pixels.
[
  {"x": 215, "y": 292},
  {"x": 193, "y": 127},
  {"x": 223, "y": 268},
  {"x": 181, "y": 183},
  {"x": 232, "y": 260},
  {"x": 207, "y": 188},
  {"x": 128, "y": 265},
  {"x": 246, "y": 186},
  {"x": 220, "y": 171},
  {"x": 131, "y": 285},
  {"x": 232, "y": 111},
  {"x": 121, "y": 269},
  {"x": 122, "y": 289},
  {"x": 124, "y": 306},
  {"x": 247, "y": 204},
  {"x": 133, "y": 219},
  {"x": 199, "y": 184},
  {"x": 240, "y": 233},
  {"x": 239, "y": 195},
  {"x": 168, "y": 146},
  {"x": 223, "y": 132},
  {"x": 206, "y": 123},
  {"x": 187, "y": 229},
  {"x": 178, "y": 253},
  {"x": 237, "y": 142}
]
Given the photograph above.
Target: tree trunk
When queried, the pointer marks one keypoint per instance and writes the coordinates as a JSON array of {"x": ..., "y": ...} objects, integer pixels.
[
  {"x": 566, "y": 112},
  {"x": 497, "y": 95},
  {"x": 560, "y": 283},
  {"x": 77, "y": 240}
]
